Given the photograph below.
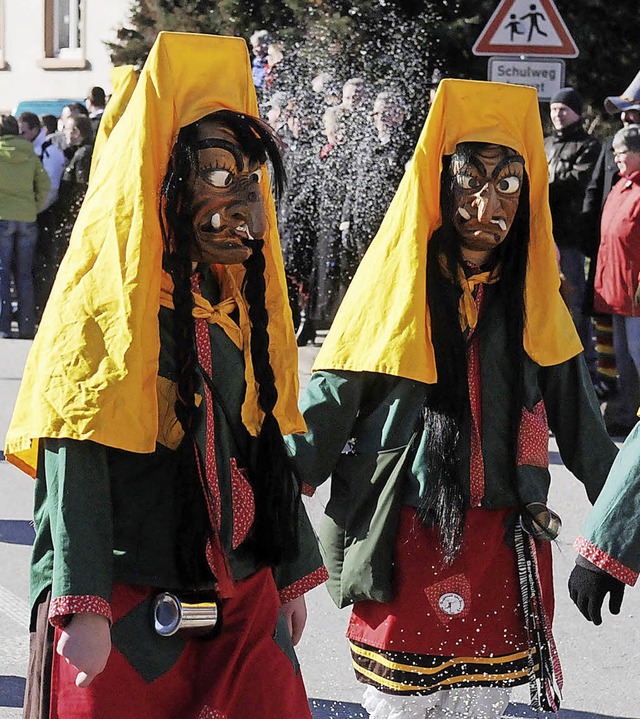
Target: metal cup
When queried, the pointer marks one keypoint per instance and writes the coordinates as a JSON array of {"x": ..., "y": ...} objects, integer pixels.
[
  {"x": 540, "y": 522},
  {"x": 172, "y": 615}
]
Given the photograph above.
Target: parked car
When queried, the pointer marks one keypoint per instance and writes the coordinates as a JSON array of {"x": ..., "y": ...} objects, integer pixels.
[{"x": 43, "y": 107}]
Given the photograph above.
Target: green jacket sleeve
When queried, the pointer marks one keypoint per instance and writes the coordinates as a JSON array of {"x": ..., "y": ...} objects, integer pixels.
[
  {"x": 576, "y": 421},
  {"x": 610, "y": 537},
  {"x": 78, "y": 501},
  {"x": 330, "y": 407},
  {"x": 306, "y": 570}
]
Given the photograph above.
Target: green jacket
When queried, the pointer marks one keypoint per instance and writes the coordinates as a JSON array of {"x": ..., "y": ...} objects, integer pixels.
[
  {"x": 610, "y": 538},
  {"x": 359, "y": 425},
  {"x": 24, "y": 183},
  {"x": 104, "y": 515}
]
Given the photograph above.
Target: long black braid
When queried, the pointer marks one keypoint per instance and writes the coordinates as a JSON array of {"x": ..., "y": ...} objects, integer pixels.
[
  {"x": 447, "y": 407},
  {"x": 275, "y": 485}
]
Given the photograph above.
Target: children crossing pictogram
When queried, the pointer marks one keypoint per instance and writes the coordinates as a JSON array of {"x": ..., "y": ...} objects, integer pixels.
[{"x": 523, "y": 27}]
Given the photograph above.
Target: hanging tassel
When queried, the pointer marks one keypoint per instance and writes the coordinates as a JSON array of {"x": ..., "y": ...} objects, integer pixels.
[{"x": 545, "y": 673}]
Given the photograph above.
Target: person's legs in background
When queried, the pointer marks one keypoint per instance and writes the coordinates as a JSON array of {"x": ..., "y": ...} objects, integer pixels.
[
  {"x": 572, "y": 263},
  {"x": 27, "y": 237},
  {"x": 633, "y": 343},
  {"x": 7, "y": 240},
  {"x": 628, "y": 377}
]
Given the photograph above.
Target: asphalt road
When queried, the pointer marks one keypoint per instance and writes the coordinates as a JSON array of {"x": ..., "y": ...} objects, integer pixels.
[{"x": 601, "y": 664}]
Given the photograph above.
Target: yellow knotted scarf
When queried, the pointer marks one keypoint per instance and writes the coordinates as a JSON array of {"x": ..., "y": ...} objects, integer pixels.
[
  {"x": 467, "y": 308},
  {"x": 219, "y": 314},
  {"x": 383, "y": 324}
]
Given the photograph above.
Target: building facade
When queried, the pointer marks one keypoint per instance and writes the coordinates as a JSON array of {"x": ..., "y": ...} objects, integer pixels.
[{"x": 56, "y": 48}]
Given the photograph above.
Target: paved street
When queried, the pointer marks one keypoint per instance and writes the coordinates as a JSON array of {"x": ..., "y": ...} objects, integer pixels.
[{"x": 600, "y": 663}]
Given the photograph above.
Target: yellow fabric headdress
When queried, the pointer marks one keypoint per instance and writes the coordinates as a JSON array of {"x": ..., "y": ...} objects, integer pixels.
[
  {"x": 123, "y": 83},
  {"x": 92, "y": 370},
  {"x": 383, "y": 324}
]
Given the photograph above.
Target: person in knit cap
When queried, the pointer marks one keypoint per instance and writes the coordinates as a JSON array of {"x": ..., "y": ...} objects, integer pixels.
[
  {"x": 430, "y": 404},
  {"x": 172, "y": 552},
  {"x": 571, "y": 155}
]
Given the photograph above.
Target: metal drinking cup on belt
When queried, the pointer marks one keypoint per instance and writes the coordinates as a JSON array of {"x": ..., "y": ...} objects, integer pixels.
[
  {"x": 540, "y": 522},
  {"x": 171, "y": 615}
]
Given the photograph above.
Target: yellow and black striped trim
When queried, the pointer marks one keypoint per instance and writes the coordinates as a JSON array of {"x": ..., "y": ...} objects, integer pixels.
[{"x": 402, "y": 673}]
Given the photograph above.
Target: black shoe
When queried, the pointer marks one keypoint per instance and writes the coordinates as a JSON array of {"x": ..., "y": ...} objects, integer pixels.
[{"x": 306, "y": 334}]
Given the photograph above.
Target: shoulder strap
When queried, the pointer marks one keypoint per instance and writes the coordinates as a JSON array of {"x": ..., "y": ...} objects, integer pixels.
[{"x": 45, "y": 146}]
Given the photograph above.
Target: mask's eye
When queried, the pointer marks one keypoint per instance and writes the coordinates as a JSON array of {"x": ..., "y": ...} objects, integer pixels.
[
  {"x": 509, "y": 185},
  {"x": 468, "y": 182},
  {"x": 218, "y": 177},
  {"x": 256, "y": 176}
]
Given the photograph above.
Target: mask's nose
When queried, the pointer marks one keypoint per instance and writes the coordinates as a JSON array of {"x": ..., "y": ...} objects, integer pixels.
[
  {"x": 487, "y": 203},
  {"x": 249, "y": 210}
]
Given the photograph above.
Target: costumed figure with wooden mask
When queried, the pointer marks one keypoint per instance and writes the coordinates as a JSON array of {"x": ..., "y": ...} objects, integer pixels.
[
  {"x": 172, "y": 552},
  {"x": 451, "y": 357}
]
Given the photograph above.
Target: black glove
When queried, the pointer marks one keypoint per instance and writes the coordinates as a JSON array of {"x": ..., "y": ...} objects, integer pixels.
[{"x": 588, "y": 588}]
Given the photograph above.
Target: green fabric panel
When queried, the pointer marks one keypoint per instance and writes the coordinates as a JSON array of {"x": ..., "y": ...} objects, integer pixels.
[
  {"x": 308, "y": 559},
  {"x": 282, "y": 638},
  {"x": 576, "y": 421},
  {"x": 146, "y": 651},
  {"x": 79, "y": 527},
  {"x": 614, "y": 523}
]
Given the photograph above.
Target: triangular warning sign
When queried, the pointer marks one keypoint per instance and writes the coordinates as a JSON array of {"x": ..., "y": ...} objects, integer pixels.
[{"x": 524, "y": 27}]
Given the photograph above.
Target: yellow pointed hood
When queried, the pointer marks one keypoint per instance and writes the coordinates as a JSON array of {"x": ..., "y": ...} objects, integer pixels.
[
  {"x": 123, "y": 83},
  {"x": 383, "y": 324},
  {"x": 92, "y": 370}
]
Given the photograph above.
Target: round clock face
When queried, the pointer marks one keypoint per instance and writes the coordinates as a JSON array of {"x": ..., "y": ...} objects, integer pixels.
[{"x": 451, "y": 603}]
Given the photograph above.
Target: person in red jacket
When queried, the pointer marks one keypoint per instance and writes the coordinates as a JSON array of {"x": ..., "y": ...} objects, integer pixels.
[{"x": 617, "y": 277}]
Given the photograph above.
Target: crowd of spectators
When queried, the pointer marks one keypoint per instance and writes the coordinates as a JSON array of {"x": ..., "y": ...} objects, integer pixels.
[
  {"x": 35, "y": 225},
  {"x": 346, "y": 147}
]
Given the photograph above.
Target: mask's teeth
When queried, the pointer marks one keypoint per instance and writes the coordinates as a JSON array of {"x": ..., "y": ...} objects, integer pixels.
[
  {"x": 501, "y": 224},
  {"x": 244, "y": 229},
  {"x": 463, "y": 213},
  {"x": 216, "y": 222}
]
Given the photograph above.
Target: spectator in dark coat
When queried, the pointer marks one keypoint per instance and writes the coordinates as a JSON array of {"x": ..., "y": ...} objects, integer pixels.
[{"x": 571, "y": 156}]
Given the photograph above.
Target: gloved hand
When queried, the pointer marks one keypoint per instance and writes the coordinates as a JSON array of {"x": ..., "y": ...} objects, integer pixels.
[{"x": 588, "y": 586}]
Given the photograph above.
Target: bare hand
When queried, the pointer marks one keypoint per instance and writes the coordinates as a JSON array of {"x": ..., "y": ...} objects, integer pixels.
[
  {"x": 86, "y": 644},
  {"x": 295, "y": 613}
]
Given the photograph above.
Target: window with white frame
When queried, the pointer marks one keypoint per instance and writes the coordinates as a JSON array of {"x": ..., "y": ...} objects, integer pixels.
[
  {"x": 2, "y": 62},
  {"x": 67, "y": 36},
  {"x": 64, "y": 33}
]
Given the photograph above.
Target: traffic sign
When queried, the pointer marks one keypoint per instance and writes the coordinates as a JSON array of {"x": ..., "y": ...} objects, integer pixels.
[
  {"x": 545, "y": 74},
  {"x": 522, "y": 27}
]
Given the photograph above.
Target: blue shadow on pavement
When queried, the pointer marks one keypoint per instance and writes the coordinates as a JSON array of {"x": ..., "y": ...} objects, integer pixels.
[
  {"x": 555, "y": 458},
  {"x": 11, "y": 691},
  {"x": 522, "y": 711},
  {"x": 324, "y": 709},
  {"x": 17, "y": 531}
]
